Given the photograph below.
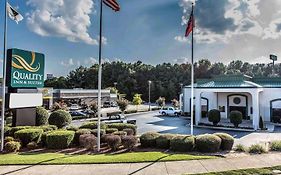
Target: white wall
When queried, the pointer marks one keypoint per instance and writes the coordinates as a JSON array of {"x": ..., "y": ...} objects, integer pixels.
[{"x": 266, "y": 96}]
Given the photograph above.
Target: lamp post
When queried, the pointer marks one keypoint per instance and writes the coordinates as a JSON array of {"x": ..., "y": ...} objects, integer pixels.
[
  {"x": 149, "y": 83},
  {"x": 115, "y": 86},
  {"x": 273, "y": 58}
]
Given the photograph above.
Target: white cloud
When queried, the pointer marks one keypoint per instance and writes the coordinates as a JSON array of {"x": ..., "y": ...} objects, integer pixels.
[
  {"x": 67, "y": 63},
  {"x": 68, "y": 19}
]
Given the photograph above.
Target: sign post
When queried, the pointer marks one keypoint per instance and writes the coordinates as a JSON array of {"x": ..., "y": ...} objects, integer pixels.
[{"x": 273, "y": 58}]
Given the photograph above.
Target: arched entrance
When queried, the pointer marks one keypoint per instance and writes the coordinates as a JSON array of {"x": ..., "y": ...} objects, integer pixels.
[
  {"x": 204, "y": 106},
  {"x": 275, "y": 108},
  {"x": 238, "y": 102}
]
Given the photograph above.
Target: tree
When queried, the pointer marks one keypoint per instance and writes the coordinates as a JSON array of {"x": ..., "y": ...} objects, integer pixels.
[
  {"x": 137, "y": 99},
  {"x": 161, "y": 101},
  {"x": 122, "y": 104},
  {"x": 175, "y": 103}
]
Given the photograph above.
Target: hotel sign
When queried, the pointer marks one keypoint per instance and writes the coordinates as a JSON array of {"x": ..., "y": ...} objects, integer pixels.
[{"x": 25, "y": 69}]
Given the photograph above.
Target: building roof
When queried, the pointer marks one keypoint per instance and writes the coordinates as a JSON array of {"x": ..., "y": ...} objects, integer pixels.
[{"x": 238, "y": 81}]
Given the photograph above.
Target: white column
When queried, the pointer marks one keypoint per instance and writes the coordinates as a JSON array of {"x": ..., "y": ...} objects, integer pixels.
[
  {"x": 256, "y": 109},
  {"x": 197, "y": 106}
]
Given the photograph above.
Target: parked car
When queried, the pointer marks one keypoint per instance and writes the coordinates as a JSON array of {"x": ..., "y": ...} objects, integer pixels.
[
  {"x": 77, "y": 113},
  {"x": 108, "y": 104},
  {"x": 170, "y": 111},
  {"x": 89, "y": 112},
  {"x": 74, "y": 107},
  {"x": 118, "y": 118}
]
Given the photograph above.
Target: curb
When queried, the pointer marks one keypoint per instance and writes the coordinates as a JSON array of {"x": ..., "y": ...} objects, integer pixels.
[{"x": 226, "y": 129}]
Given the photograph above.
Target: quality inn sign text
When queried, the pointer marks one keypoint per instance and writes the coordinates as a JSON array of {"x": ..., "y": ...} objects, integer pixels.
[{"x": 25, "y": 69}]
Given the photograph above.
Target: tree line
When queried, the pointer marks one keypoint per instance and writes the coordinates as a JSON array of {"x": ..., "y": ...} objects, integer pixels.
[{"x": 167, "y": 79}]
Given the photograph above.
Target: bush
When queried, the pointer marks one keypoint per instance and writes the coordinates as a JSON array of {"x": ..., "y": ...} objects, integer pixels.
[
  {"x": 122, "y": 104},
  {"x": 8, "y": 139},
  {"x": 240, "y": 148},
  {"x": 44, "y": 138},
  {"x": 163, "y": 141},
  {"x": 79, "y": 133},
  {"x": 42, "y": 116},
  {"x": 182, "y": 143},
  {"x": 236, "y": 118},
  {"x": 208, "y": 143},
  {"x": 47, "y": 128},
  {"x": 120, "y": 133},
  {"x": 214, "y": 116},
  {"x": 261, "y": 123},
  {"x": 129, "y": 131},
  {"x": 256, "y": 149},
  {"x": 111, "y": 130},
  {"x": 7, "y": 131},
  {"x": 32, "y": 145},
  {"x": 113, "y": 141},
  {"x": 149, "y": 139},
  {"x": 103, "y": 138},
  {"x": 276, "y": 119},
  {"x": 227, "y": 141},
  {"x": 129, "y": 141},
  {"x": 275, "y": 146},
  {"x": 95, "y": 132},
  {"x": 88, "y": 141},
  {"x": 60, "y": 118},
  {"x": 29, "y": 135},
  {"x": 17, "y": 128},
  {"x": 122, "y": 126},
  {"x": 12, "y": 146},
  {"x": 93, "y": 125},
  {"x": 72, "y": 128},
  {"x": 59, "y": 139}
]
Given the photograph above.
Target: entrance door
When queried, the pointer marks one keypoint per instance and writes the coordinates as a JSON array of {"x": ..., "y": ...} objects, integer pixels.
[{"x": 238, "y": 102}]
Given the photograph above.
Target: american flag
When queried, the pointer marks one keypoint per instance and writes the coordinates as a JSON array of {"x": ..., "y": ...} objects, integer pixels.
[
  {"x": 112, "y": 4},
  {"x": 190, "y": 24}
]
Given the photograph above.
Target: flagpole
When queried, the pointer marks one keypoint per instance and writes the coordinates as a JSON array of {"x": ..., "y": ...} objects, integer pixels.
[
  {"x": 192, "y": 76},
  {"x": 4, "y": 79},
  {"x": 99, "y": 76}
]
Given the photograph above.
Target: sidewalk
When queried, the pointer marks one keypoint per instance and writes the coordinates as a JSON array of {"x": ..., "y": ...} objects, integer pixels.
[{"x": 158, "y": 168}]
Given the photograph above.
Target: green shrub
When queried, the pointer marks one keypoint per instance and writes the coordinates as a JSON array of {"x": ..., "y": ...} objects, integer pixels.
[
  {"x": 17, "y": 128},
  {"x": 12, "y": 146},
  {"x": 59, "y": 139},
  {"x": 120, "y": 133},
  {"x": 42, "y": 116},
  {"x": 32, "y": 145},
  {"x": 236, "y": 118},
  {"x": 240, "y": 148},
  {"x": 113, "y": 141},
  {"x": 163, "y": 141},
  {"x": 208, "y": 143},
  {"x": 256, "y": 149},
  {"x": 72, "y": 128},
  {"x": 60, "y": 118},
  {"x": 29, "y": 135},
  {"x": 88, "y": 141},
  {"x": 129, "y": 131},
  {"x": 8, "y": 139},
  {"x": 47, "y": 128},
  {"x": 275, "y": 146},
  {"x": 93, "y": 125},
  {"x": 129, "y": 141},
  {"x": 111, "y": 130},
  {"x": 122, "y": 126},
  {"x": 44, "y": 138},
  {"x": 182, "y": 143},
  {"x": 80, "y": 132},
  {"x": 8, "y": 120},
  {"x": 149, "y": 139},
  {"x": 7, "y": 131},
  {"x": 95, "y": 132},
  {"x": 227, "y": 141},
  {"x": 214, "y": 116}
]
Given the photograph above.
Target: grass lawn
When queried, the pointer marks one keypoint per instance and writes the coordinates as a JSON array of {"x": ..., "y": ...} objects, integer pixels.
[
  {"x": 260, "y": 171},
  {"x": 59, "y": 158}
]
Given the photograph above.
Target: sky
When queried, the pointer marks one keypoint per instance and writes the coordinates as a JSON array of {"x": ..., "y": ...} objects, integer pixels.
[{"x": 152, "y": 31}]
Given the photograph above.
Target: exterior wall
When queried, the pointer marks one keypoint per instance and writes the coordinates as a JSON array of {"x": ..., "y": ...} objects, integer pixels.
[{"x": 266, "y": 96}]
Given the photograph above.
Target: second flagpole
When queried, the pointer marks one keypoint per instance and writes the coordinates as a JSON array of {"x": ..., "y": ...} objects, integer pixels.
[
  {"x": 100, "y": 76},
  {"x": 192, "y": 77}
]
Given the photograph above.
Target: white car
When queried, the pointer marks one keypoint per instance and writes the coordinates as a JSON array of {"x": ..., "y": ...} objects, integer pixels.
[
  {"x": 170, "y": 111},
  {"x": 74, "y": 107}
]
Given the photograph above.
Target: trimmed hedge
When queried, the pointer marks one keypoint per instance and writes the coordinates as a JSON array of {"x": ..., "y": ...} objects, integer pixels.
[
  {"x": 29, "y": 135},
  {"x": 59, "y": 139},
  {"x": 12, "y": 146},
  {"x": 60, "y": 118},
  {"x": 149, "y": 139},
  {"x": 47, "y": 128},
  {"x": 93, "y": 125},
  {"x": 120, "y": 133},
  {"x": 79, "y": 133},
  {"x": 129, "y": 131},
  {"x": 227, "y": 141},
  {"x": 214, "y": 116},
  {"x": 95, "y": 132},
  {"x": 122, "y": 126},
  {"x": 88, "y": 141},
  {"x": 208, "y": 143},
  {"x": 111, "y": 130},
  {"x": 183, "y": 143},
  {"x": 113, "y": 141},
  {"x": 163, "y": 141},
  {"x": 42, "y": 116},
  {"x": 17, "y": 128},
  {"x": 129, "y": 141}
]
